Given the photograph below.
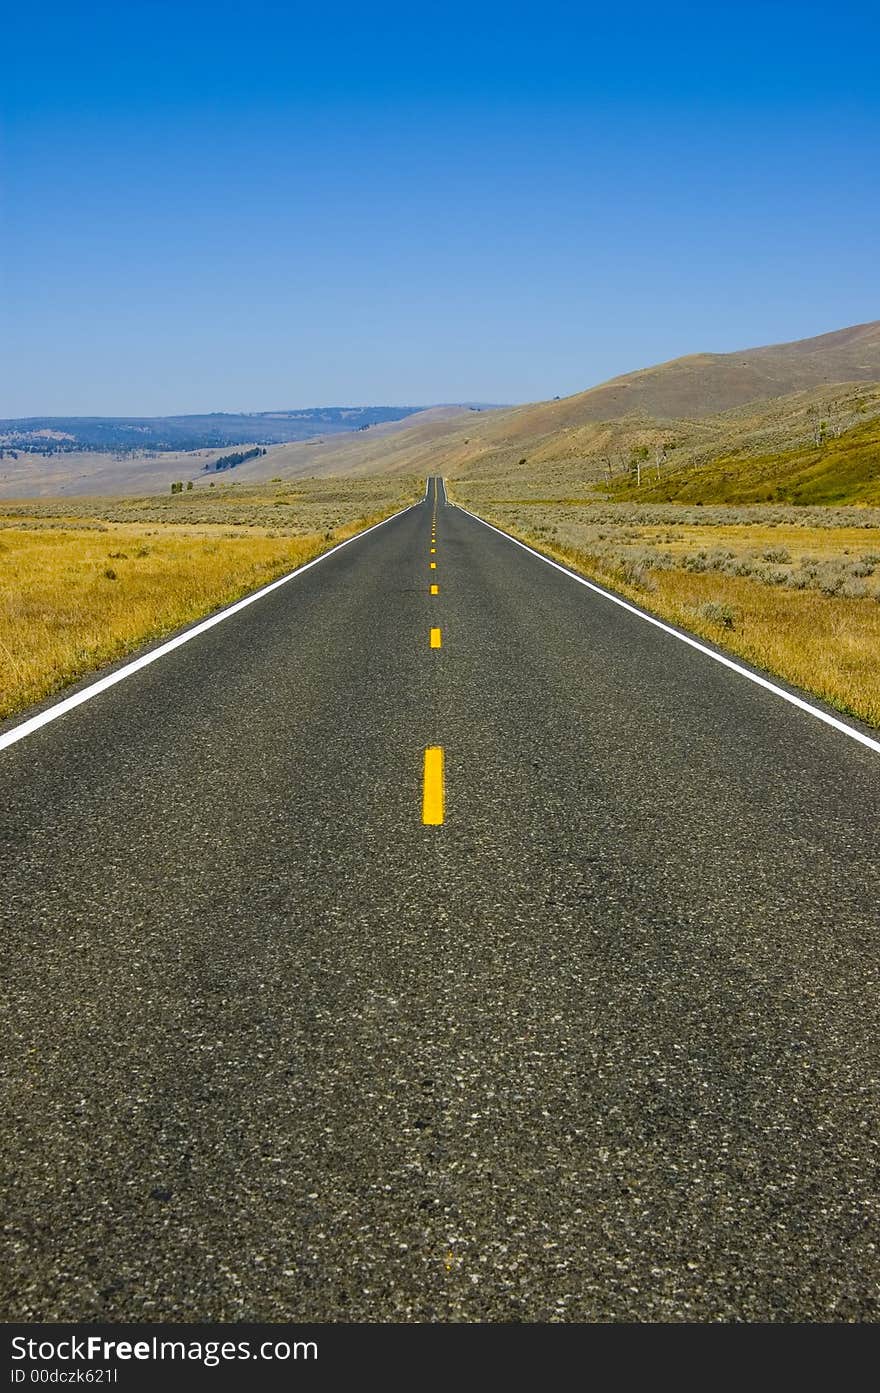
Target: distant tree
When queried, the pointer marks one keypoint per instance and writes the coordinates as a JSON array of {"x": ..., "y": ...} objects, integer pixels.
[
  {"x": 237, "y": 457},
  {"x": 638, "y": 455},
  {"x": 818, "y": 425}
]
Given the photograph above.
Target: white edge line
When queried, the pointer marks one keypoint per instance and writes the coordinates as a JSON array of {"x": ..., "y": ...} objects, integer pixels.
[
  {"x": 691, "y": 642},
  {"x": 94, "y": 689}
]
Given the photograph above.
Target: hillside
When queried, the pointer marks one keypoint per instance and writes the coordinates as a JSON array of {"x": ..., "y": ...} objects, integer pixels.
[
  {"x": 841, "y": 469},
  {"x": 84, "y": 473},
  {"x": 705, "y": 384},
  {"x": 685, "y": 414},
  {"x": 688, "y": 409},
  {"x": 66, "y": 434}
]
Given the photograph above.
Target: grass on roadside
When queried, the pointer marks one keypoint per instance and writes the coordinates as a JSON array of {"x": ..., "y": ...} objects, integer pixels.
[
  {"x": 79, "y": 594},
  {"x": 802, "y": 603}
]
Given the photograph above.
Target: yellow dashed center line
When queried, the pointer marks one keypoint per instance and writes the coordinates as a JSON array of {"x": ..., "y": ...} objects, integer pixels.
[{"x": 432, "y": 797}]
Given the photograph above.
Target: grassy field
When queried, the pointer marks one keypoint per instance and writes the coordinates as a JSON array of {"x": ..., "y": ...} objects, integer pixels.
[
  {"x": 795, "y": 591},
  {"x": 82, "y": 583}
]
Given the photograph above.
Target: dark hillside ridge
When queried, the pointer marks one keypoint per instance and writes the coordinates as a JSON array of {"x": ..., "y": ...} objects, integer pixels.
[{"x": 63, "y": 434}]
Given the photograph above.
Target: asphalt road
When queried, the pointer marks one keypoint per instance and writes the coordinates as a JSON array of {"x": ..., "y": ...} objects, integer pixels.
[{"x": 603, "y": 1045}]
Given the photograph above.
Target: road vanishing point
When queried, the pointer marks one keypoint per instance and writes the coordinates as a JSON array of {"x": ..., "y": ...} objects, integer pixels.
[{"x": 434, "y": 938}]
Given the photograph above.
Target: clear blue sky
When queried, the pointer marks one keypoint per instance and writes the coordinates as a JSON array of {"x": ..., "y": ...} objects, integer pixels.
[{"x": 245, "y": 206}]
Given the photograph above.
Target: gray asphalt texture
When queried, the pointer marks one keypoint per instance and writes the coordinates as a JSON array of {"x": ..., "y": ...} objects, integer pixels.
[{"x": 604, "y": 1046}]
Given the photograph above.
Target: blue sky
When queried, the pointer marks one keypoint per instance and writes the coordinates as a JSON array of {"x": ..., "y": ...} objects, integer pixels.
[{"x": 241, "y": 207}]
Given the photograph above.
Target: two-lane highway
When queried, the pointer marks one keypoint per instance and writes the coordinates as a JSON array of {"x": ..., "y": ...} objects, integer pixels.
[{"x": 434, "y": 938}]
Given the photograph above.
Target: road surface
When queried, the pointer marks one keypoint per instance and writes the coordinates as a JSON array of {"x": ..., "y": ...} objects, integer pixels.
[{"x": 574, "y": 1017}]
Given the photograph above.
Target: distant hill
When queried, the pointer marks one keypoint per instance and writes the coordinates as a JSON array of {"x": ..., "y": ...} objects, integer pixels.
[
  {"x": 690, "y": 410},
  {"x": 64, "y": 434},
  {"x": 707, "y": 383},
  {"x": 694, "y": 402},
  {"x": 149, "y": 469},
  {"x": 681, "y": 416}
]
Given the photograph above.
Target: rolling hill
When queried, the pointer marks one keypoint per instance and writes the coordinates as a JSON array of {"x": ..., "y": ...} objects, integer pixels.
[
  {"x": 66, "y": 434},
  {"x": 685, "y": 414},
  {"x": 705, "y": 384},
  {"x": 761, "y": 398}
]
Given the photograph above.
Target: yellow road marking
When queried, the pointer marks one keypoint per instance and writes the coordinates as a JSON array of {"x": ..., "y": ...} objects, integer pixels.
[
  {"x": 433, "y": 565},
  {"x": 433, "y": 550},
  {"x": 435, "y": 589},
  {"x": 435, "y": 638},
  {"x": 432, "y": 797}
]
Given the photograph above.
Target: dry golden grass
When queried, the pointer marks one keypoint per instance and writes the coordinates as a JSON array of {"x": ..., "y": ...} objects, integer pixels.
[
  {"x": 306, "y": 505},
  {"x": 75, "y": 596},
  {"x": 825, "y": 643},
  {"x": 825, "y": 542},
  {"x": 822, "y": 643}
]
